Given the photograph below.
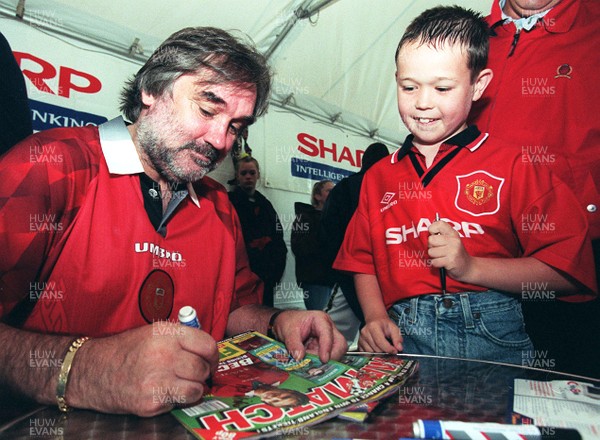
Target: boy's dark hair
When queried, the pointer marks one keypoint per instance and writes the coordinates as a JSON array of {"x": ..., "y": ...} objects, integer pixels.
[
  {"x": 246, "y": 159},
  {"x": 452, "y": 25}
]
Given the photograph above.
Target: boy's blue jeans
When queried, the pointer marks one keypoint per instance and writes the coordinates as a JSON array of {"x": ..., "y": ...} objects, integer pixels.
[{"x": 475, "y": 325}]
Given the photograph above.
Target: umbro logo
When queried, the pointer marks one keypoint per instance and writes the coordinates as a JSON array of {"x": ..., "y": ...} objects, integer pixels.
[
  {"x": 388, "y": 201},
  {"x": 387, "y": 197}
]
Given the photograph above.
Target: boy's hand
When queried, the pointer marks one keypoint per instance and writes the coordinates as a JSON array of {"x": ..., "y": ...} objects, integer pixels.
[
  {"x": 380, "y": 335},
  {"x": 446, "y": 250}
]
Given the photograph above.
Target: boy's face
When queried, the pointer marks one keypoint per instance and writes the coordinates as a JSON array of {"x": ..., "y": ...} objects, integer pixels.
[
  {"x": 435, "y": 92},
  {"x": 247, "y": 176}
]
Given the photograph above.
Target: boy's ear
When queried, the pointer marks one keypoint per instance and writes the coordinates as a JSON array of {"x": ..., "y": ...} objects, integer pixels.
[{"x": 481, "y": 82}]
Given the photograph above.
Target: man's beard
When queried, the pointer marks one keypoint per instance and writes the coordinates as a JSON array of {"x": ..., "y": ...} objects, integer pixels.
[{"x": 157, "y": 146}]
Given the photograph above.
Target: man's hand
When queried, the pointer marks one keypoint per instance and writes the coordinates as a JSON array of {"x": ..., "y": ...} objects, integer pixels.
[
  {"x": 310, "y": 331},
  {"x": 145, "y": 371},
  {"x": 446, "y": 250}
]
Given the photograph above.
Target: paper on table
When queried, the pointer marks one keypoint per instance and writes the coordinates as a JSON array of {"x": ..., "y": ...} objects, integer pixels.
[{"x": 560, "y": 404}]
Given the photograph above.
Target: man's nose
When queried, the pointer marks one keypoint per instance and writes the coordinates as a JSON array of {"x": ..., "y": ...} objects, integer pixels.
[{"x": 218, "y": 135}]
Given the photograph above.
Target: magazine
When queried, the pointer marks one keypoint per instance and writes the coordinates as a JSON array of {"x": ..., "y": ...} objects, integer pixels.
[
  {"x": 559, "y": 404},
  {"x": 259, "y": 390}
]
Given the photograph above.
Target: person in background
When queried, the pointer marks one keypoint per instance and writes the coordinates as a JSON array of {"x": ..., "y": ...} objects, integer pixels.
[
  {"x": 541, "y": 101},
  {"x": 311, "y": 268},
  {"x": 240, "y": 149},
  {"x": 101, "y": 249},
  {"x": 338, "y": 211},
  {"x": 452, "y": 198},
  {"x": 15, "y": 117},
  {"x": 263, "y": 233}
]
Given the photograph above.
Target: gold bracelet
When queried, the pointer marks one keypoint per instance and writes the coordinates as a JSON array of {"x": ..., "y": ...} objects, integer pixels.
[{"x": 63, "y": 376}]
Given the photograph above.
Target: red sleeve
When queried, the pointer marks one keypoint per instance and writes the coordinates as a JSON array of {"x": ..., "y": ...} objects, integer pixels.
[
  {"x": 42, "y": 182},
  {"x": 247, "y": 287},
  {"x": 356, "y": 253},
  {"x": 552, "y": 227}
]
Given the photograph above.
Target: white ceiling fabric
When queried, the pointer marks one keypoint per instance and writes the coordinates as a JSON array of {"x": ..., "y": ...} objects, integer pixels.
[{"x": 332, "y": 59}]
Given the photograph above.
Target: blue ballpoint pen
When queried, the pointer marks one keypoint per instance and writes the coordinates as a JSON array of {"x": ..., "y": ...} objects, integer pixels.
[{"x": 188, "y": 317}]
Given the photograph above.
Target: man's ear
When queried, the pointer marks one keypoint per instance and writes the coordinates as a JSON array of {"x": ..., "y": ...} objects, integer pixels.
[
  {"x": 481, "y": 83},
  {"x": 147, "y": 99}
]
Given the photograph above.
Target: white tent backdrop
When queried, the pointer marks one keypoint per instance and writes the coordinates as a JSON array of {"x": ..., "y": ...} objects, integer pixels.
[
  {"x": 334, "y": 62},
  {"x": 333, "y": 94}
]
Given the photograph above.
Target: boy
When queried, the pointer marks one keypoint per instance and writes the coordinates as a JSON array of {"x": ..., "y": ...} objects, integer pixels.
[{"x": 447, "y": 284}]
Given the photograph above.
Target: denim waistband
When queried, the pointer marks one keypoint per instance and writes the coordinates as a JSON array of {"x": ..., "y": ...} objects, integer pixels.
[{"x": 467, "y": 304}]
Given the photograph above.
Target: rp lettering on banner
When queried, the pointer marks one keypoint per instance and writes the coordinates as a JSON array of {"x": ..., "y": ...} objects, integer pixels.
[{"x": 40, "y": 72}]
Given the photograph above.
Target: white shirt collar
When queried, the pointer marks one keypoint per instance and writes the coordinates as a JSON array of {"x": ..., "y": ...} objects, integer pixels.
[
  {"x": 121, "y": 155},
  {"x": 526, "y": 23},
  {"x": 118, "y": 148}
]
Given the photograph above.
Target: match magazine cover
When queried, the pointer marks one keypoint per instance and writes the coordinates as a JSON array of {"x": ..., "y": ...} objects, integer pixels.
[{"x": 259, "y": 390}]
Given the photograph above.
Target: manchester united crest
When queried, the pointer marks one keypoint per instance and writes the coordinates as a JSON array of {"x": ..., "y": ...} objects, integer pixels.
[{"x": 478, "y": 193}]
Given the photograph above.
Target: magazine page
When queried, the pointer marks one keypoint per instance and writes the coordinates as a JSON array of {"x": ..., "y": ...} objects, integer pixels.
[
  {"x": 381, "y": 367},
  {"x": 559, "y": 404},
  {"x": 260, "y": 390}
]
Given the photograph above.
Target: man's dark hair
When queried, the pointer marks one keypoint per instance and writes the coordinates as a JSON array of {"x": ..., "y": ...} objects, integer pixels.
[
  {"x": 212, "y": 53},
  {"x": 451, "y": 25},
  {"x": 316, "y": 190},
  {"x": 373, "y": 154}
]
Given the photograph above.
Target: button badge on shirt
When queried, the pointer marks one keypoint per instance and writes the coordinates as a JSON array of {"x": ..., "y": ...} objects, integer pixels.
[{"x": 156, "y": 296}]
